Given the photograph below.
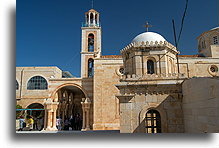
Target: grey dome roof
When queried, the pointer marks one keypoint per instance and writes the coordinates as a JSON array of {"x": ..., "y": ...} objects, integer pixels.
[
  {"x": 148, "y": 36},
  {"x": 215, "y": 28}
]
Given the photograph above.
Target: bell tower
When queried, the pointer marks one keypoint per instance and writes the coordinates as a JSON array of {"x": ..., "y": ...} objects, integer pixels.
[{"x": 90, "y": 42}]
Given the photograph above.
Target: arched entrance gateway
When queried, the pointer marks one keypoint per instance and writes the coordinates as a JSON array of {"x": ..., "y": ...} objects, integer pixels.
[{"x": 70, "y": 103}]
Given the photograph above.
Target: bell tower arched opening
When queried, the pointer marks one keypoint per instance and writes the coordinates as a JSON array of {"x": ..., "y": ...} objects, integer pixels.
[
  {"x": 90, "y": 42},
  {"x": 90, "y": 68}
]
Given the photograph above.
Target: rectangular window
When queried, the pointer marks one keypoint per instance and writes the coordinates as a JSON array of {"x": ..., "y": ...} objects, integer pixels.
[{"x": 215, "y": 40}]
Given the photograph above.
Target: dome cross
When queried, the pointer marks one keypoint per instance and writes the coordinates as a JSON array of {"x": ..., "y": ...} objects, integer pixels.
[{"x": 147, "y": 26}]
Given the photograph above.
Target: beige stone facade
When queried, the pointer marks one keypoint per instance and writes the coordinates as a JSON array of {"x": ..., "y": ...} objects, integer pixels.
[
  {"x": 146, "y": 89},
  {"x": 201, "y": 105}
]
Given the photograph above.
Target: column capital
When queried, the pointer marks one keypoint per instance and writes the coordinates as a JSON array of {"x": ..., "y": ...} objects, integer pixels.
[{"x": 87, "y": 100}]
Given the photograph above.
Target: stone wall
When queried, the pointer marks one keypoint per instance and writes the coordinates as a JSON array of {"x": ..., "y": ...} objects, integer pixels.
[
  {"x": 26, "y": 97},
  {"x": 201, "y": 105},
  {"x": 133, "y": 108},
  {"x": 197, "y": 66},
  {"x": 106, "y": 105}
]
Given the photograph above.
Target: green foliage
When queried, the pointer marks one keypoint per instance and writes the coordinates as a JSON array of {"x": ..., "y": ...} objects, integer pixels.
[
  {"x": 18, "y": 107},
  {"x": 18, "y": 113}
]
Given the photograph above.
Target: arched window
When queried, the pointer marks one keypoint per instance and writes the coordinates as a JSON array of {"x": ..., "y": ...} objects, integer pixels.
[
  {"x": 150, "y": 67},
  {"x": 37, "y": 82},
  {"x": 90, "y": 68},
  {"x": 96, "y": 18},
  {"x": 203, "y": 44},
  {"x": 153, "y": 122},
  {"x": 90, "y": 42},
  {"x": 91, "y": 18},
  {"x": 17, "y": 85}
]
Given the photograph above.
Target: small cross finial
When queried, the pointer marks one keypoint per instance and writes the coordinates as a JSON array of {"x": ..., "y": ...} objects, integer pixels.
[{"x": 147, "y": 26}]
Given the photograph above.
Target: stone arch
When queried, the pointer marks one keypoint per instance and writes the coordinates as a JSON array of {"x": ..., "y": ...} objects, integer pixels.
[
  {"x": 162, "y": 112},
  {"x": 52, "y": 96},
  {"x": 36, "y": 114},
  {"x": 66, "y": 101},
  {"x": 34, "y": 105},
  {"x": 202, "y": 43}
]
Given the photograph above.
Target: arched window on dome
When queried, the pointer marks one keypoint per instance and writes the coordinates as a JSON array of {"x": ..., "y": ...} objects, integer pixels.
[
  {"x": 37, "y": 82},
  {"x": 90, "y": 68},
  {"x": 90, "y": 42},
  {"x": 153, "y": 121},
  {"x": 17, "y": 85},
  {"x": 203, "y": 44},
  {"x": 150, "y": 67}
]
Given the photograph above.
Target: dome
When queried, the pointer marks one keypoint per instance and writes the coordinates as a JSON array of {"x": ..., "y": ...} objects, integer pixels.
[
  {"x": 148, "y": 36},
  {"x": 215, "y": 28}
]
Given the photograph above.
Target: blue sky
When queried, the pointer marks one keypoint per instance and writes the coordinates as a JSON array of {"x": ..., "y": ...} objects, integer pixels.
[{"x": 48, "y": 32}]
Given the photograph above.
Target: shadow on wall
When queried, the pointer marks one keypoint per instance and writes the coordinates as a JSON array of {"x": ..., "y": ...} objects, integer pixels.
[
  {"x": 171, "y": 115},
  {"x": 87, "y": 85},
  {"x": 195, "y": 112}
]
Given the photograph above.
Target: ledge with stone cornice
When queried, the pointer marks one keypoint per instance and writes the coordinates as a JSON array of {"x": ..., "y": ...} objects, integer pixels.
[
  {"x": 152, "y": 77},
  {"x": 136, "y": 45},
  {"x": 130, "y": 90}
]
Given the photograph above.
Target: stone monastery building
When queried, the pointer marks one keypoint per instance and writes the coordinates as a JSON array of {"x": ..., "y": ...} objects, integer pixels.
[{"x": 148, "y": 88}]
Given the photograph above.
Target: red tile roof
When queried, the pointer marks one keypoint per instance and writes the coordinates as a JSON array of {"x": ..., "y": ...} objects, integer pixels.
[{"x": 189, "y": 56}]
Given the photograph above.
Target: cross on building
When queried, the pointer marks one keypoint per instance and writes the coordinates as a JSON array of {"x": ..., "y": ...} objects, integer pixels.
[{"x": 147, "y": 26}]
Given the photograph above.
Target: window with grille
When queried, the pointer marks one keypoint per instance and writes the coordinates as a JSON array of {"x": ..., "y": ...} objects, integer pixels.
[
  {"x": 153, "y": 122},
  {"x": 215, "y": 40},
  {"x": 37, "y": 82}
]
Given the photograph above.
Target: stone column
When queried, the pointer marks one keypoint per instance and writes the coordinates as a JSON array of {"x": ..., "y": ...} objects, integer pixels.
[
  {"x": 48, "y": 128},
  {"x": 98, "y": 19},
  {"x": 94, "y": 16},
  {"x": 87, "y": 120},
  {"x": 83, "y": 124},
  {"x": 55, "y": 106},
  {"x": 48, "y": 112},
  {"x": 45, "y": 118},
  {"x": 89, "y": 19},
  {"x": 87, "y": 109},
  {"x": 83, "y": 110}
]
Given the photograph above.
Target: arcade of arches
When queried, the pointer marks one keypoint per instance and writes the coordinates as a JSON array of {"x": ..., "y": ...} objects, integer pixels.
[{"x": 68, "y": 101}]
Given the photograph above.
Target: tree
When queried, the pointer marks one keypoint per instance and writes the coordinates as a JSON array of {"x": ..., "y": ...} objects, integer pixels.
[{"x": 18, "y": 113}]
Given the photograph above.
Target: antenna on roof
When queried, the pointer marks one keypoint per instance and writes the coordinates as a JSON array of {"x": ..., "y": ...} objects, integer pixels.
[{"x": 92, "y": 4}]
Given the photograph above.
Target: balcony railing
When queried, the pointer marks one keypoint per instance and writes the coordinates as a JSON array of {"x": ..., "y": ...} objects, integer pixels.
[{"x": 90, "y": 25}]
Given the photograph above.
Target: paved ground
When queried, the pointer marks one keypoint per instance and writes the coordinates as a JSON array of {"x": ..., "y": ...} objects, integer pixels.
[{"x": 67, "y": 132}]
